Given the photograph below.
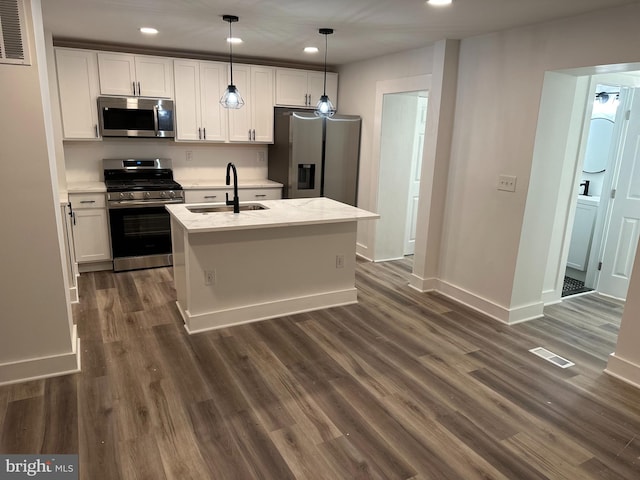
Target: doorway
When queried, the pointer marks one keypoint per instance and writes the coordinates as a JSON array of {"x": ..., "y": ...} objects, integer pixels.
[
  {"x": 401, "y": 146},
  {"x": 399, "y": 127}
]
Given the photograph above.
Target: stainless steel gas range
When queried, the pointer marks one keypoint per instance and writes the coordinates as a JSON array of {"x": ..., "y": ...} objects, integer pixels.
[{"x": 137, "y": 191}]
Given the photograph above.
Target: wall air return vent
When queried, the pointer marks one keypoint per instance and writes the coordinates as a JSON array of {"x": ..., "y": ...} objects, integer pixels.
[{"x": 13, "y": 38}]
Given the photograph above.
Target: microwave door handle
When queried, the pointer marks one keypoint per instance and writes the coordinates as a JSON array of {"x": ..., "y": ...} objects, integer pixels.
[{"x": 155, "y": 119}]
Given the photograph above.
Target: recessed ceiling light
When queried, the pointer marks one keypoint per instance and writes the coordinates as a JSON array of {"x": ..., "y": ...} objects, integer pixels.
[
  {"x": 149, "y": 30},
  {"x": 234, "y": 40},
  {"x": 310, "y": 49},
  {"x": 439, "y": 2}
]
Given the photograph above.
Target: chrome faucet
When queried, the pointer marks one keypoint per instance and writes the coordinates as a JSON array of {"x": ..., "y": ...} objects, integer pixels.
[{"x": 236, "y": 201}]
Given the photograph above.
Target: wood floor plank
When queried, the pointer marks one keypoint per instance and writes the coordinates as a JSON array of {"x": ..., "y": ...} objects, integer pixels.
[
  {"x": 23, "y": 427},
  {"x": 60, "y": 416}
]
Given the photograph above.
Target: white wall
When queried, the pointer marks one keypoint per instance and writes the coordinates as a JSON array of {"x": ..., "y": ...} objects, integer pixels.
[
  {"x": 499, "y": 91},
  {"x": 36, "y": 332},
  {"x": 84, "y": 159}
]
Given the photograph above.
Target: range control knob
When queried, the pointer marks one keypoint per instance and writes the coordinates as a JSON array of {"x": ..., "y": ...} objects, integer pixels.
[
  {"x": 131, "y": 195},
  {"x": 163, "y": 195},
  {"x": 172, "y": 194},
  {"x": 147, "y": 194},
  {"x": 122, "y": 195}
]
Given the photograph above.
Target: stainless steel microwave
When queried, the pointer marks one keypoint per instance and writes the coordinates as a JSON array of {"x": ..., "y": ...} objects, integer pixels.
[{"x": 136, "y": 117}]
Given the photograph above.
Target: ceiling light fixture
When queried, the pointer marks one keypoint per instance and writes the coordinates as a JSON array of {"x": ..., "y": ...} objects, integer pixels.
[
  {"x": 324, "y": 107},
  {"x": 231, "y": 98},
  {"x": 311, "y": 50},
  {"x": 148, "y": 30},
  {"x": 439, "y": 2}
]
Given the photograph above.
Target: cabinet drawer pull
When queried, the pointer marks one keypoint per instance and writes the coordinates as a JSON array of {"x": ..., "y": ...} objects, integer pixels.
[
  {"x": 87, "y": 201},
  {"x": 254, "y": 134},
  {"x": 210, "y": 196},
  {"x": 134, "y": 89},
  {"x": 96, "y": 127},
  {"x": 249, "y": 134},
  {"x": 139, "y": 89},
  {"x": 260, "y": 195},
  {"x": 204, "y": 132},
  {"x": 199, "y": 133}
]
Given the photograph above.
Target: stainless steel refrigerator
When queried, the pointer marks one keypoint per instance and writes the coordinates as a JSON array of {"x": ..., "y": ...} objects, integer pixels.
[{"x": 314, "y": 156}]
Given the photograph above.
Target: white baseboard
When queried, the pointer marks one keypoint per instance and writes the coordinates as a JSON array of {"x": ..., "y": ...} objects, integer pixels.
[
  {"x": 42, "y": 367},
  {"x": 509, "y": 316},
  {"x": 253, "y": 313},
  {"x": 551, "y": 297},
  {"x": 423, "y": 284},
  {"x": 363, "y": 251},
  {"x": 624, "y": 370}
]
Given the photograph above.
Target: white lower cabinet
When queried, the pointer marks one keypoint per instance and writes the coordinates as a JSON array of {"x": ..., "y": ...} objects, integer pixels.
[
  {"x": 581, "y": 236},
  {"x": 91, "y": 239}
]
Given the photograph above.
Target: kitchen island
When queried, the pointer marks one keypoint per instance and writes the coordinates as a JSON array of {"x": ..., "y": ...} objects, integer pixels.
[{"x": 292, "y": 256}]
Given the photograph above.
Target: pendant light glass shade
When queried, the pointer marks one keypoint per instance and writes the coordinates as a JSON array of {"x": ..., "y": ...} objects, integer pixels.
[
  {"x": 231, "y": 97},
  {"x": 324, "y": 107}
]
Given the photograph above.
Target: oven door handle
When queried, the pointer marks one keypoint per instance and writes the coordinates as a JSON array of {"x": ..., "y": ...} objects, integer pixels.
[{"x": 143, "y": 203}]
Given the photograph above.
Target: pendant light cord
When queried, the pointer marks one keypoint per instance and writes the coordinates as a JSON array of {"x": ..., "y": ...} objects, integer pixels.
[
  {"x": 324, "y": 88},
  {"x": 230, "y": 53}
]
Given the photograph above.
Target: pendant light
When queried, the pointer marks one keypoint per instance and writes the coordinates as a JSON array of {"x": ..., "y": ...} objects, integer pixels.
[
  {"x": 324, "y": 107},
  {"x": 231, "y": 97}
]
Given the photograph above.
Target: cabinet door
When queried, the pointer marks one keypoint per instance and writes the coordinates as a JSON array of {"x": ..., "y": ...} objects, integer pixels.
[
  {"x": 213, "y": 82},
  {"x": 187, "y": 106},
  {"x": 91, "y": 235},
  {"x": 240, "y": 119},
  {"x": 78, "y": 87},
  {"x": 316, "y": 87},
  {"x": 581, "y": 236},
  {"x": 262, "y": 100},
  {"x": 291, "y": 87},
  {"x": 154, "y": 76},
  {"x": 117, "y": 73}
]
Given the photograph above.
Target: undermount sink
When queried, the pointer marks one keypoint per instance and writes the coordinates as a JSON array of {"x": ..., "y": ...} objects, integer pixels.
[{"x": 226, "y": 208}]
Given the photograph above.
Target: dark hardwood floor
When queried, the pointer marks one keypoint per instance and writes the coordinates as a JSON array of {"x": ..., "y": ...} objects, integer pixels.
[{"x": 403, "y": 385}]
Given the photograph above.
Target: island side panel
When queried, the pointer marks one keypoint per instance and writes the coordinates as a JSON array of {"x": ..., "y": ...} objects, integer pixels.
[
  {"x": 268, "y": 272},
  {"x": 178, "y": 235}
]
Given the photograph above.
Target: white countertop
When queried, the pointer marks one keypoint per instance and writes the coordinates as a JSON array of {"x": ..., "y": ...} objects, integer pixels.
[
  {"x": 86, "y": 187},
  {"x": 203, "y": 184},
  {"x": 279, "y": 213}
]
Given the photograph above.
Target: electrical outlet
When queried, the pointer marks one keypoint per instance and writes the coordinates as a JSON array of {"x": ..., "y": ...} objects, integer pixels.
[
  {"x": 507, "y": 183},
  {"x": 209, "y": 277},
  {"x": 260, "y": 157},
  {"x": 189, "y": 155},
  {"x": 339, "y": 261}
]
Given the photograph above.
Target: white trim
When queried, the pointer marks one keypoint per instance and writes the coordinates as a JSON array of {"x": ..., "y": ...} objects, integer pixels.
[
  {"x": 423, "y": 284},
  {"x": 624, "y": 370},
  {"x": 509, "y": 316},
  {"x": 95, "y": 266},
  {"x": 43, "y": 367},
  {"x": 363, "y": 251},
  {"x": 262, "y": 311}
]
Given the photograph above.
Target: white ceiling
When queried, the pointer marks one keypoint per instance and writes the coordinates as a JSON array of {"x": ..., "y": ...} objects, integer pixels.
[{"x": 279, "y": 29}]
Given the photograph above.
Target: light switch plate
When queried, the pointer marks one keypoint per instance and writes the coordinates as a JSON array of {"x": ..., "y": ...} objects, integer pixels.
[{"x": 507, "y": 183}]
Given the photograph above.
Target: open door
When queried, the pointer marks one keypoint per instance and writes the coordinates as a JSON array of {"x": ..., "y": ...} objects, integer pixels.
[{"x": 624, "y": 224}]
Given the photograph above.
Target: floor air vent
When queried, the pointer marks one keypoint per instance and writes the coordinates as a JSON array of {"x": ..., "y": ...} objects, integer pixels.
[{"x": 552, "y": 357}]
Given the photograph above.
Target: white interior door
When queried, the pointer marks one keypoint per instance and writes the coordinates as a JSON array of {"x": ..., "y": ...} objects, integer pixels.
[
  {"x": 414, "y": 183},
  {"x": 624, "y": 225}
]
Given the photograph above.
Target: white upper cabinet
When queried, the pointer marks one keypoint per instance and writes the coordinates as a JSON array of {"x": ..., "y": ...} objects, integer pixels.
[
  {"x": 137, "y": 75},
  {"x": 78, "y": 87},
  {"x": 198, "y": 87},
  {"x": 254, "y": 121},
  {"x": 301, "y": 88}
]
